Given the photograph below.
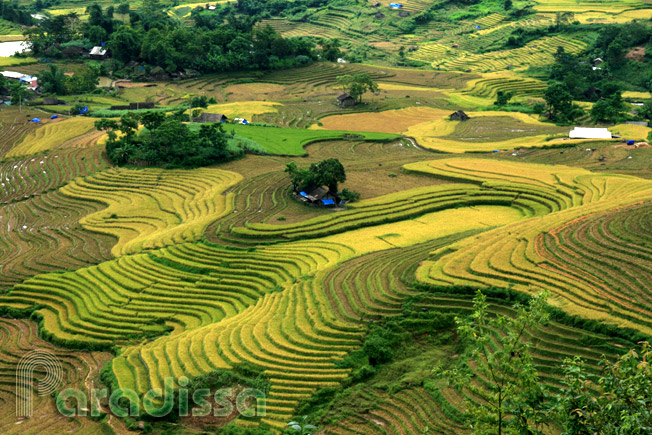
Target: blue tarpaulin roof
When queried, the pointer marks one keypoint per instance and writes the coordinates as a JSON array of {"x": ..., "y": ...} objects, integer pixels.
[
  {"x": 631, "y": 142},
  {"x": 328, "y": 201},
  {"x": 54, "y": 116},
  {"x": 395, "y": 5},
  {"x": 303, "y": 193},
  {"x": 477, "y": 27},
  {"x": 34, "y": 120}
]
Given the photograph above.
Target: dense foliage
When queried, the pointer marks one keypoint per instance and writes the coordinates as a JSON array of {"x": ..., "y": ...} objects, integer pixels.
[
  {"x": 328, "y": 172},
  {"x": 10, "y": 11},
  {"x": 54, "y": 81},
  {"x": 152, "y": 37},
  {"x": 164, "y": 141}
]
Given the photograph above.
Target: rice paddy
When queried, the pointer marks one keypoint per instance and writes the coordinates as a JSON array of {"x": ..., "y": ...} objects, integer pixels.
[
  {"x": 152, "y": 208},
  {"x": 186, "y": 272},
  {"x": 54, "y": 134}
]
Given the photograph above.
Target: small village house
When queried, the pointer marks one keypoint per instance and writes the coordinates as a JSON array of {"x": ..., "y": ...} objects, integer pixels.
[
  {"x": 98, "y": 53},
  {"x": 459, "y": 116},
  {"x": 318, "y": 195},
  {"x": 345, "y": 100},
  {"x": 30, "y": 81},
  {"x": 210, "y": 117}
]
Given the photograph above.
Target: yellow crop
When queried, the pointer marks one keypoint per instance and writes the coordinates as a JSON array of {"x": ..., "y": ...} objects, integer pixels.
[
  {"x": 151, "y": 208},
  {"x": 52, "y": 135},
  {"x": 427, "y": 227},
  {"x": 244, "y": 109}
]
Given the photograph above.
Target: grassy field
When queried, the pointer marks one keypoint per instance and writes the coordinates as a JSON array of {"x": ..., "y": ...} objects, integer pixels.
[{"x": 291, "y": 141}]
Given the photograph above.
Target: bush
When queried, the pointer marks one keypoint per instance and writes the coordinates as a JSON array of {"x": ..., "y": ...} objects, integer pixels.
[
  {"x": 350, "y": 195},
  {"x": 378, "y": 349}
]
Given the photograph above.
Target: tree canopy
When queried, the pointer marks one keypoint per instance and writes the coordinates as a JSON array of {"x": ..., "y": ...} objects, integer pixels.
[
  {"x": 219, "y": 41},
  {"x": 329, "y": 172},
  {"x": 164, "y": 141},
  {"x": 357, "y": 85}
]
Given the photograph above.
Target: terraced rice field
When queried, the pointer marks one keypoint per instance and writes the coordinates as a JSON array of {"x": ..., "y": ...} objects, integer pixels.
[
  {"x": 588, "y": 5},
  {"x": 245, "y": 109},
  {"x": 432, "y": 128},
  {"x": 57, "y": 133},
  {"x": 294, "y": 297},
  {"x": 535, "y": 53},
  {"x": 80, "y": 370},
  {"x": 152, "y": 208},
  {"x": 39, "y": 226},
  {"x": 185, "y": 272},
  {"x": 514, "y": 253},
  {"x": 13, "y": 128}
]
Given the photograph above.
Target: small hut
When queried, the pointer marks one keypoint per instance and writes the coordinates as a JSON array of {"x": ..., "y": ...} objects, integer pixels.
[
  {"x": 403, "y": 14},
  {"x": 210, "y": 117},
  {"x": 345, "y": 100},
  {"x": 318, "y": 195},
  {"x": 98, "y": 53},
  {"x": 459, "y": 116}
]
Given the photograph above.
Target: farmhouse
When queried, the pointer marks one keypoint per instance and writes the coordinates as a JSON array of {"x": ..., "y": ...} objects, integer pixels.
[
  {"x": 98, "y": 53},
  {"x": 210, "y": 117},
  {"x": 459, "y": 116},
  {"x": 31, "y": 81},
  {"x": 318, "y": 196},
  {"x": 345, "y": 100},
  {"x": 589, "y": 133},
  {"x": 135, "y": 106}
]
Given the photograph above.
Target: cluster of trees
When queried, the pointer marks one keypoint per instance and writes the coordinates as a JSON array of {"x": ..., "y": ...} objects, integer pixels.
[
  {"x": 219, "y": 41},
  {"x": 164, "y": 141},
  {"x": 617, "y": 400},
  {"x": 10, "y": 11},
  {"x": 583, "y": 78},
  {"x": 17, "y": 90},
  {"x": 574, "y": 79},
  {"x": 54, "y": 81}
]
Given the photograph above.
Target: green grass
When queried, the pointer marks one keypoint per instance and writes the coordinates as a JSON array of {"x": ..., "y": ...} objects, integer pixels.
[{"x": 291, "y": 141}]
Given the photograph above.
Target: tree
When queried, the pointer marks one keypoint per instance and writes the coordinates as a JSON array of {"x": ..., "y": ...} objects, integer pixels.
[
  {"x": 52, "y": 81},
  {"x": 329, "y": 172},
  {"x": 610, "y": 109},
  {"x": 560, "y": 103},
  {"x": 125, "y": 44},
  {"x": 357, "y": 85},
  {"x": 84, "y": 80},
  {"x": 331, "y": 49},
  {"x": 617, "y": 401},
  {"x": 199, "y": 101},
  {"x": 123, "y": 8},
  {"x": 18, "y": 92},
  {"x": 513, "y": 399},
  {"x": 502, "y": 98}
]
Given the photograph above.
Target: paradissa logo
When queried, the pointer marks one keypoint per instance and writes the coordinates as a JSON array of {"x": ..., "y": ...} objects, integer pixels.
[{"x": 157, "y": 402}]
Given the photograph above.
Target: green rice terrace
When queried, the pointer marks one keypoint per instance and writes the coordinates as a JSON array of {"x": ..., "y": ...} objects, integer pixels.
[{"x": 326, "y": 217}]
